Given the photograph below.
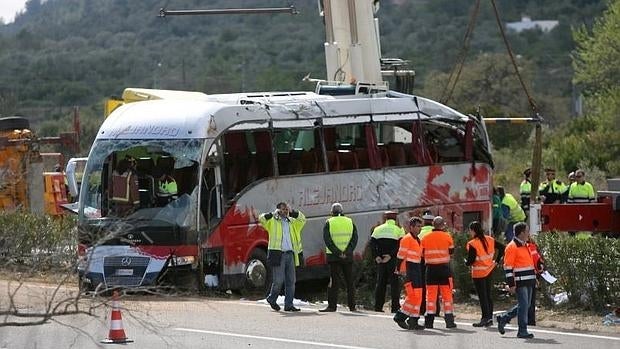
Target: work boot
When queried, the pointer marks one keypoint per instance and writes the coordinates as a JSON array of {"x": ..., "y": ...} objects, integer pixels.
[
  {"x": 429, "y": 320},
  {"x": 412, "y": 322},
  {"x": 500, "y": 324},
  {"x": 401, "y": 319},
  {"x": 449, "y": 318}
]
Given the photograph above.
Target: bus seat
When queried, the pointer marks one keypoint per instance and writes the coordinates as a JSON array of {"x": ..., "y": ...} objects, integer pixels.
[
  {"x": 383, "y": 153},
  {"x": 410, "y": 156},
  {"x": 397, "y": 154},
  {"x": 309, "y": 162},
  {"x": 348, "y": 160},
  {"x": 283, "y": 163},
  {"x": 166, "y": 164},
  {"x": 294, "y": 159},
  {"x": 145, "y": 166},
  {"x": 236, "y": 143},
  {"x": 332, "y": 160},
  {"x": 264, "y": 165},
  {"x": 362, "y": 157}
]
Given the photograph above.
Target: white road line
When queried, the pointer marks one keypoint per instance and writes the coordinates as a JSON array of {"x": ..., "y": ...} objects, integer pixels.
[
  {"x": 273, "y": 339},
  {"x": 457, "y": 322}
]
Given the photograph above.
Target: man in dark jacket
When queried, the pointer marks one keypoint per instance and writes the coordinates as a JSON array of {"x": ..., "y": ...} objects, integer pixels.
[
  {"x": 340, "y": 236},
  {"x": 384, "y": 242}
]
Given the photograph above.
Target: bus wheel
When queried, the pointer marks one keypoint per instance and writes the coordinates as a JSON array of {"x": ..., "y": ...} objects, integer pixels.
[{"x": 257, "y": 272}]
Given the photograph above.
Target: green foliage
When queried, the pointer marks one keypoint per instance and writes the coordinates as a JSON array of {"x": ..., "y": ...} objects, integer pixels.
[
  {"x": 586, "y": 269},
  {"x": 41, "y": 242}
]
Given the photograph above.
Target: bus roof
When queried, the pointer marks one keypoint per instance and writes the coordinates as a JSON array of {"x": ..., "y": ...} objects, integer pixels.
[{"x": 209, "y": 115}]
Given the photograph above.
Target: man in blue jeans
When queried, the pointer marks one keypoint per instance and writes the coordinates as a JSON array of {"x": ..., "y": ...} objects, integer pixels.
[
  {"x": 284, "y": 251},
  {"x": 521, "y": 278}
]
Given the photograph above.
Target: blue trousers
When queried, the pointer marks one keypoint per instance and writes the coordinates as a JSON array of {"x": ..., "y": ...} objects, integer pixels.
[
  {"x": 524, "y": 297},
  {"x": 283, "y": 274}
]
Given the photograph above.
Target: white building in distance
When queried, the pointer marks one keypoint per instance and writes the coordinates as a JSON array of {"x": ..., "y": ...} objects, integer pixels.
[{"x": 527, "y": 23}]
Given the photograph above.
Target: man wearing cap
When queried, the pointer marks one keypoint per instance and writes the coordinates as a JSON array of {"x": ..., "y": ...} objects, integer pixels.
[
  {"x": 437, "y": 247},
  {"x": 384, "y": 243},
  {"x": 525, "y": 189},
  {"x": 428, "y": 217},
  {"x": 340, "y": 236},
  {"x": 551, "y": 189}
]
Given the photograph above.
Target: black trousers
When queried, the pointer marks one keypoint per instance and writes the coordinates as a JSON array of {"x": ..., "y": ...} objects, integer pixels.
[
  {"x": 531, "y": 312},
  {"x": 385, "y": 274},
  {"x": 335, "y": 281},
  {"x": 484, "y": 289}
]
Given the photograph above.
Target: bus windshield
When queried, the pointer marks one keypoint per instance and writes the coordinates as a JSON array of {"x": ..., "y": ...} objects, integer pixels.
[{"x": 153, "y": 182}]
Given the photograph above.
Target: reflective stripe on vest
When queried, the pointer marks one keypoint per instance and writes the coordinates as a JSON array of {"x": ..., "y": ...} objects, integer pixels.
[
  {"x": 341, "y": 231},
  {"x": 437, "y": 247},
  {"x": 121, "y": 188},
  {"x": 484, "y": 264},
  {"x": 518, "y": 263},
  {"x": 581, "y": 192},
  {"x": 409, "y": 250}
]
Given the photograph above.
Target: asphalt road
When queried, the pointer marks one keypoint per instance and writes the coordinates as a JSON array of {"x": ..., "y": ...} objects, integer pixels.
[{"x": 160, "y": 322}]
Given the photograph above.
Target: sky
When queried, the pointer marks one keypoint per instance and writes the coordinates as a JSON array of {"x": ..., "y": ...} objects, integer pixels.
[{"x": 8, "y": 8}]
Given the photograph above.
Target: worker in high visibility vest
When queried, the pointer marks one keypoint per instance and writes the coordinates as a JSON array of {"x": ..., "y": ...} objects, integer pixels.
[
  {"x": 384, "y": 242},
  {"x": 525, "y": 190},
  {"x": 511, "y": 211},
  {"x": 428, "y": 217},
  {"x": 410, "y": 261},
  {"x": 551, "y": 189},
  {"x": 125, "y": 196},
  {"x": 284, "y": 251},
  {"x": 521, "y": 278},
  {"x": 482, "y": 261},
  {"x": 437, "y": 247},
  {"x": 581, "y": 191},
  {"x": 340, "y": 236}
]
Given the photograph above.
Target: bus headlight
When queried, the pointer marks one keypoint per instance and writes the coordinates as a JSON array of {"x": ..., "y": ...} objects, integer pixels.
[{"x": 181, "y": 260}]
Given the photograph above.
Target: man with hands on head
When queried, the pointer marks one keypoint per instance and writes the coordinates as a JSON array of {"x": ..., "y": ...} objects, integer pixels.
[{"x": 284, "y": 226}]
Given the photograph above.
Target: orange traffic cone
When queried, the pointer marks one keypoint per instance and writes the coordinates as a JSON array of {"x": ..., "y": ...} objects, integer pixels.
[{"x": 117, "y": 333}]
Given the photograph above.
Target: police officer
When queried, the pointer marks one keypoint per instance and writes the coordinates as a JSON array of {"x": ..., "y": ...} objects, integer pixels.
[
  {"x": 551, "y": 189},
  {"x": 525, "y": 190},
  {"x": 340, "y": 236},
  {"x": 428, "y": 217},
  {"x": 384, "y": 244}
]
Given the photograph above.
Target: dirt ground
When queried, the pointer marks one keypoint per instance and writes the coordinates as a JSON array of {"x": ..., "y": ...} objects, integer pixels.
[{"x": 560, "y": 317}]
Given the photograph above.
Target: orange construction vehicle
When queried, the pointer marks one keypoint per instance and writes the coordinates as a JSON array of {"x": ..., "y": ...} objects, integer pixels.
[{"x": 22, "y": 166}]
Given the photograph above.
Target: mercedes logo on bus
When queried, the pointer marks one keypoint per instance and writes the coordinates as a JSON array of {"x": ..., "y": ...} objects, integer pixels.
[{"x": 126, "y": 261}]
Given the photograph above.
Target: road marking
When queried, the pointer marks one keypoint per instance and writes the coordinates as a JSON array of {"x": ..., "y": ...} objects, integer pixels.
[
  {"x": 457, "y": 322},
  {"x": 274, "y": 339}
]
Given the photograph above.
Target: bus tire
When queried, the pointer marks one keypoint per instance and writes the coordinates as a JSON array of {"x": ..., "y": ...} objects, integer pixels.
[
  {"x": 14, "y": 123},
  {"x": 257, "y": 272}
]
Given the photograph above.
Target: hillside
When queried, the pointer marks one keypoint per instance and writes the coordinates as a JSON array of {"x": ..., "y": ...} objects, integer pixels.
[{"x": 61, "y": 53}]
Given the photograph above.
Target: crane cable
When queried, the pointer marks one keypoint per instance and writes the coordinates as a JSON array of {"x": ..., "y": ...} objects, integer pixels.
[
  {"x": 530, "y": 99},
  {"x": 460, "y": 62}
]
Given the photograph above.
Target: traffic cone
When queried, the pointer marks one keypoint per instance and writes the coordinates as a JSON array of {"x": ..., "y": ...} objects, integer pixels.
[{"x": 117, "y": 333}]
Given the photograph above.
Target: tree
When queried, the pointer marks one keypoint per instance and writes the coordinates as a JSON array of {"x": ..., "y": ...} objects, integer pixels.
[{"x": 598, "y": 74}]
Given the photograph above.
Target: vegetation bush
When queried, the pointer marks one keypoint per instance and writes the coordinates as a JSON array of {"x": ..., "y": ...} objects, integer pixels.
[
  {"x": 587, "y": 269},
  {"x": 36, "y": 241}
]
